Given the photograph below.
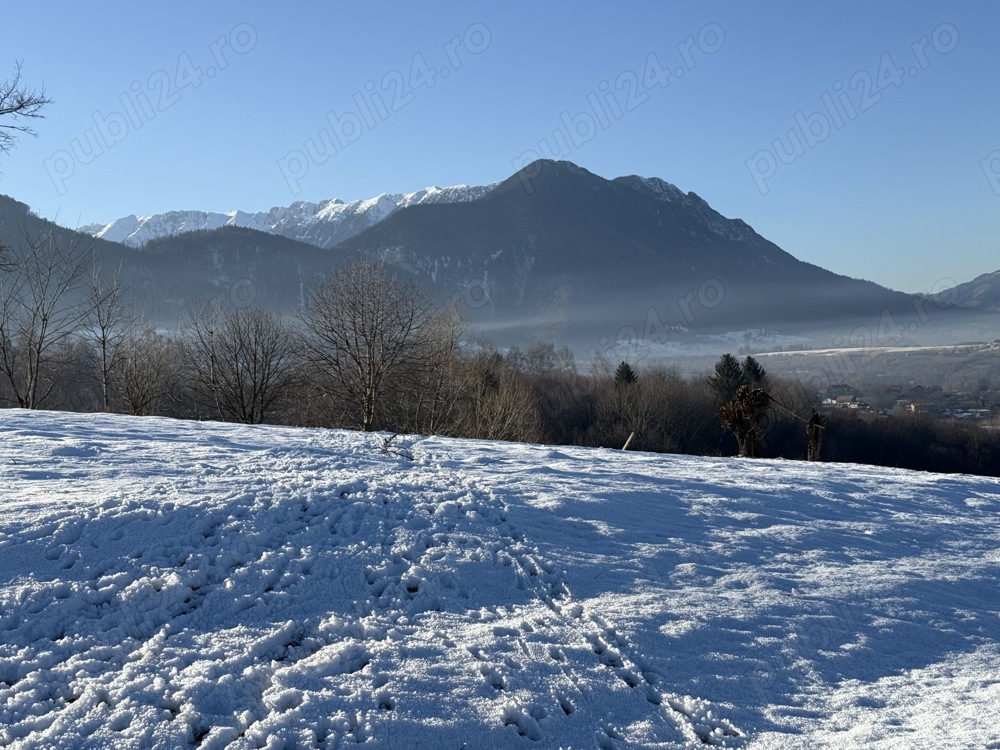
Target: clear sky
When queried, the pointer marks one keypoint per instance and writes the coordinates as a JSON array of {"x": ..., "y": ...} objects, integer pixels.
[{"x": 863, "y": 137}]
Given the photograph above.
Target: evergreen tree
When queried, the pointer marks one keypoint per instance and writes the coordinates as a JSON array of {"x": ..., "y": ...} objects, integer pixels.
[
  {"x": 624, "y": 375},
  {"x": 754, "y": 375},
  {"x": 727, "y": 379},
  {"x": 743, "y": 390}
]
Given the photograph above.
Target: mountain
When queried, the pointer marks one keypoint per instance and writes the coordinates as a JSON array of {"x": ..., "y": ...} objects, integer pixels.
[
  {"x": 982, "y": 293},
  {"x": 553, "y": 253},
  {"x": 171, "y": 584},
  {"x": 556, "y": 252},
  {"x": 166, "y": 275},
  {"x": 19, "y": 223},
  {"x": 323, "y": 224},
  {"x": 235, "y": 265}
]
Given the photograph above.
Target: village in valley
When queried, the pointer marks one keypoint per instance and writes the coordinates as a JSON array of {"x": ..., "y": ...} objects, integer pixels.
[{"x": 960, "y": 382}]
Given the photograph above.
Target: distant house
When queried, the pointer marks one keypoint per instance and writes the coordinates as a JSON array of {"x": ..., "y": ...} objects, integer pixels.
[
  {"x": 845, "y": 401},
  {"x": 841, "y": 389}
]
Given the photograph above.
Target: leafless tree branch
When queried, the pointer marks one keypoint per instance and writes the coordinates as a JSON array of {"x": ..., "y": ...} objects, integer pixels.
[{"x": 18, "y": 103}]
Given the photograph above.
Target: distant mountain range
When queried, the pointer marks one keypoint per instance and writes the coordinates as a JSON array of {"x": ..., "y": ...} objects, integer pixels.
[
  {"x": 553, "y": 253},
  {"x": 323, "y": 224},
  {"x": 556, "y": 252}
]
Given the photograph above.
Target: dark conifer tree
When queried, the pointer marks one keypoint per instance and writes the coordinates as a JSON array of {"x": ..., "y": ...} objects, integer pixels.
[
  {"x": 754, "y": 375},
  {"x": 624, "y": 375},
  {"x": 727, "y": 379}
]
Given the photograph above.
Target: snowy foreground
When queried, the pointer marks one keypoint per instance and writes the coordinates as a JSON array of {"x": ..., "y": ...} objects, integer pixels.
[{"x": 176, "y": 584}]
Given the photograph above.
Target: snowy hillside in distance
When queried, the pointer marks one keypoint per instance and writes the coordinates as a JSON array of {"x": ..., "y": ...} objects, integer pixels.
[
  {"x": 181, "y": 584},
  {"x": 324, "y": 223}
]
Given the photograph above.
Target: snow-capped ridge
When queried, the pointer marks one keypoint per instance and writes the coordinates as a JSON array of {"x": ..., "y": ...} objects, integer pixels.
[
  {"x": 328, "y": 222},
  {"x": 324, "y": 223},
  {"x": 122, "y": 229}
]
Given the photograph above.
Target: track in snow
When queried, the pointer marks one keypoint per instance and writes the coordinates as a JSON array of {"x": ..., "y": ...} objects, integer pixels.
[{"x": 243, "y": 598}]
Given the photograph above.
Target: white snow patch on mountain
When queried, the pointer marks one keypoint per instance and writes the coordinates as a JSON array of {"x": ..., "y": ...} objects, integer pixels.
[
  {"x": 323, "y": 223},
  {"x": 184, "y": 584}
]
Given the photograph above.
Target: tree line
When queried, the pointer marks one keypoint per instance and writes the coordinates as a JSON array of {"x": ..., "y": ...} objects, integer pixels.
[{"x": 369, "y": 351}]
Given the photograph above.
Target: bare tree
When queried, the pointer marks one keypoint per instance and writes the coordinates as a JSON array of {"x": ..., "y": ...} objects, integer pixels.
[
  {"x": 109, "y": 323},
  {"x": 146, "y": 371},
  {"x": 242, "y": 360},
  {"x": 20, "y": 104},
  {"x": 367, "y": 327},
  {"x": 683, "y": 416},
  {"x": 431, "y": 400},
  {"x": 41, "y": 306},
  {"x": 624, "y": 408},
  {"x": 498, "y": 404}
]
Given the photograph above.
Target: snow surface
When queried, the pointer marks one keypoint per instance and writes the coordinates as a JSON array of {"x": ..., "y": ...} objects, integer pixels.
[{"x": 178, "y": 584}]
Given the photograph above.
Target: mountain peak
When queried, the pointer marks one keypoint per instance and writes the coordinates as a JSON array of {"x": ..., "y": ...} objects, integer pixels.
[{"x": 530, "y": 177}]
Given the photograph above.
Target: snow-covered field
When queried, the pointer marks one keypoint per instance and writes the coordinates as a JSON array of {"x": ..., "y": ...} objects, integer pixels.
[{"x": 177, "y": 584}]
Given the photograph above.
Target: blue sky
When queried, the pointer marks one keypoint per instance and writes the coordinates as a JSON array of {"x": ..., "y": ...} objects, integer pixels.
[{"x": 861, "y": 137}]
